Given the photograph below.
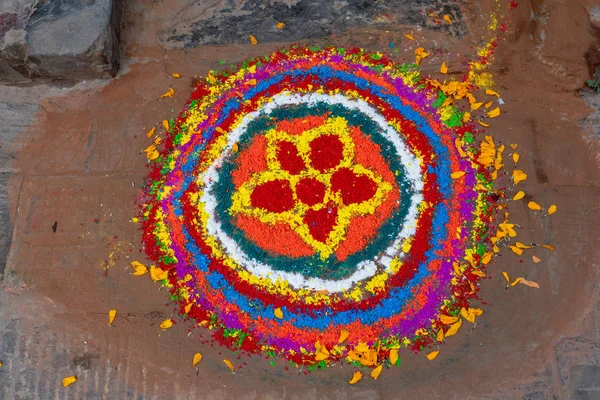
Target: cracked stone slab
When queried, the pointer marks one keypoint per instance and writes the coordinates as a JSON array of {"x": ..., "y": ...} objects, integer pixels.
[
  {"x": 58, "y": 40},
  {"x": 219, "y": 22}
]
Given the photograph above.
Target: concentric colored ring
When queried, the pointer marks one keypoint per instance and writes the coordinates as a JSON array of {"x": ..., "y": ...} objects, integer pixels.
[{"x": 294, "y": 118}]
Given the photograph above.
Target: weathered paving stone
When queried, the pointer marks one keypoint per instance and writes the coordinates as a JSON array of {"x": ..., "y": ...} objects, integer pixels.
[
  {"x": 232, "y": 21},
  {"x": 58, "y": 40}
]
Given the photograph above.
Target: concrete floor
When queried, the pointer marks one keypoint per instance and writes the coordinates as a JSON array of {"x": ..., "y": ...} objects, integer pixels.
[{"x": 72, "y": 156}]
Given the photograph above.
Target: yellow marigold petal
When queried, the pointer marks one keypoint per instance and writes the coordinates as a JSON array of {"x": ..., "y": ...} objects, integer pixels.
[
  {"x": 278, "y": 313},
  {"x": 447, "y": 19},
  {"x": 376, "y": 372},
  {"x": 522, "y": 246},
  {"x": 444, "y": 68},
  {"x": 431, "y": 356},
  {"x": 393, "y": 356},
  {"x": 151, "y": 132},
  {"x": 506, "y": 276},
  {"x": 112, "y": 314},
  {"x": 536, "y": 259},
  {"x": 440, "y": 336},
  {"x": 520, "y": 194},
  {"x": 483, "y": 124},
  {"x": 516, "y": 250},
  {"x": 157, "y": 274},
  {"x": 466, "y": 315},
  {"x": 476, "y": 106},
  {"x": 529, "y": 283},
  {"x": 253, "y": 39},
  {"x": 138, "y": 268},
  {"x": 492, "y": 93},
  {"x": 518, "y": 176},
  {"x": 409, "y": 37},
  {"x": 548, "y": 246},
  {"x": 343, "y": 336},
  {"x": 166, "y": 324},
  {"x": 446, "y": 319},
  {"x": 165, "y": 124},
  {"x": 516, "y": 157},
  {"x": 457, "y": 174},
  {"x": 453, "y": 328},
  {"x": 534, "y": 206},
  {"x": 494, "y": 113},
  {"x": 69, "y": 380},
  {"x": 552, "y": 209},
  {"x": 176, "y": 75},
  {"x": 280, "y": 25},
  {"x": 169, "y": 93},
  {"x": 487, "y": 257},
  {"x": 229, "y": 364},
  {"x": 357, "y": 376},
  {"x": 197, "y": 359}
]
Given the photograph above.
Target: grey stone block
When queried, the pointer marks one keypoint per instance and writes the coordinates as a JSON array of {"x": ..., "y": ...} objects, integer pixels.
[{"x": 59, "y": 40}]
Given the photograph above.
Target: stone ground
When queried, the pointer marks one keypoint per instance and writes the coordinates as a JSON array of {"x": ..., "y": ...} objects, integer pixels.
[{"x": 71, "y": 157}]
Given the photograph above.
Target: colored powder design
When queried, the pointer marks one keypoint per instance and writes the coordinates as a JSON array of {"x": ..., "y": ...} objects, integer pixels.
[{"x": 320, "y": 204}]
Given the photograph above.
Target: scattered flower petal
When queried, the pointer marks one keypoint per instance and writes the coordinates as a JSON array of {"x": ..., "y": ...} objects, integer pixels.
[
  {"x": 431, "y": 356},
  {"x": 278, "y": 313},
  {"x": 518, "y": 176},
  {"x": 376, "y": 372},
  {"x": 529, "y": 283},
  {"x": 343, "y": 336},
  {"x": 520, "y": 194},
  {"x": 492, "y": 93},
  {"x": 453, "y": 328},
  {"x": 197, "y": 359},
  {"x": 516, "y": 250},
  {"x": 138, "y": 268},
  {"x": 157, "y": 274},
  {"x": 552, "y": 209},
  {"x": 516, "y": 157},
  {"x": 506, "y": 276},
  {"x": 548, "y": 246},
  {"x": 393, "y": 356},
  {"x": 280, "y": 25},
  {"x": 151, "y": 132},
  {"x": 166, "y": 324},
  {"x": 447, "y": 320},
  {"x": 253, "y": 40},
  {"x": 112, "y": 314},
  {"x": 444, "y": 68},
  {"x": 357, "y": 376},
  {"x": 534, "y": 206},
  {"x": 176, "y": 75},
  {"x": 69, "y": 380},
  {"x": 536, "y": 259},
  {"x": 408, "y": 36},
  {"x": 229, "y": 364},
  {"x": 447, "y": 19},
  {"x": 170, "y": 93}
]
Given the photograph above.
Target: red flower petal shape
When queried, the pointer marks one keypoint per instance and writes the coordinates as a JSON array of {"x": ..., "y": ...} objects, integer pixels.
[
  {"x": 310, "y": 191},
  {"x": 353, "y": 188},
  {"x": 326, "y": 152},
  {"x": 321, "y": 222},
  {"x": 288, "y": 157},
  {"x": 275, "y": 196}
]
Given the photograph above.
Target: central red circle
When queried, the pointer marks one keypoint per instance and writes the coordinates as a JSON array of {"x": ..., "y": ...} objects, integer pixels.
[{"x": 310, "y": 191}]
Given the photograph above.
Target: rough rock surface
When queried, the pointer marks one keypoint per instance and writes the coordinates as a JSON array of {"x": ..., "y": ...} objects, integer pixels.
[
  {"x": 232, "y": 22},
  {"x": 58, "y": 40}
]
